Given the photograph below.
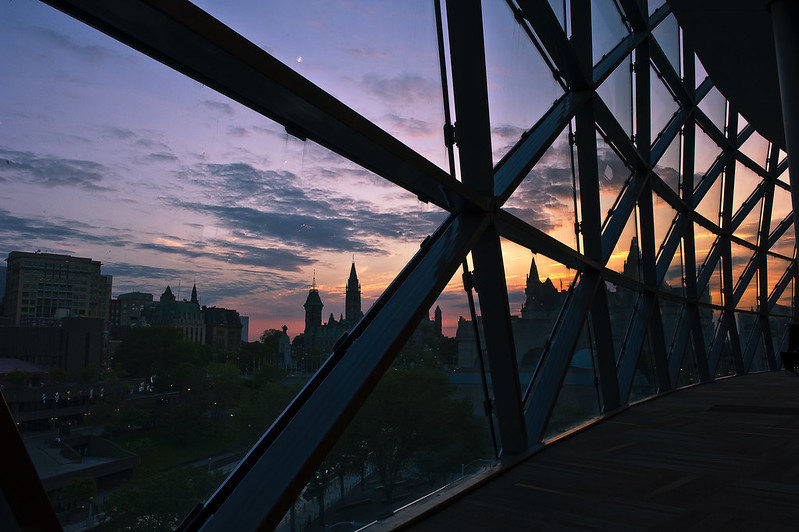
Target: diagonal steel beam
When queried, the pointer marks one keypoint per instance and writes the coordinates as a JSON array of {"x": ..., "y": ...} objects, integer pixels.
[
  {"x": 515, "y": 165},
  {"x": 186, "y": 38},
  {"x": 548, "y": 29},
  {"x": 265, "y": 484},
  {"x": 473, "y": 132}
]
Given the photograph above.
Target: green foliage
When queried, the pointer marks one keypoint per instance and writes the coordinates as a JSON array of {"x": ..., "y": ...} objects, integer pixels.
[
  {"x": 159, "y": 502},
  {"x": 78, "y": 490},
  {"x": 116, "y": 417},
  {"x": 260, "y": 407},
  {"x": 410, "y": 423},
  {"x": 157, "y": 350}
]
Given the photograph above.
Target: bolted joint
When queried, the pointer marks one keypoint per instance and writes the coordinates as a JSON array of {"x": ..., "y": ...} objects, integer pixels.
[{"x": 449, "y": 135}]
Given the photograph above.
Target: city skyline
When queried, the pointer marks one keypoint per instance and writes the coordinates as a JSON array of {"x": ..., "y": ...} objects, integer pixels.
[{"x": 105, "y": 153}]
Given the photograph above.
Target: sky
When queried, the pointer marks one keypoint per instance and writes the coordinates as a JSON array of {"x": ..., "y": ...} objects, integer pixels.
[{"x": 107, "y": 154}]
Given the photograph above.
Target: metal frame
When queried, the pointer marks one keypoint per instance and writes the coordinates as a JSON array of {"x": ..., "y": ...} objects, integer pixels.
[{"x": 260, "y": 491}]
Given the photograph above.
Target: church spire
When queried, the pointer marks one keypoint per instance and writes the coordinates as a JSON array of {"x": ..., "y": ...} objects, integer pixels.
[
  {"x": 313, "y": 309},
  {"x": 194, "y": 295},
  {"x": 352, "y": 300}
]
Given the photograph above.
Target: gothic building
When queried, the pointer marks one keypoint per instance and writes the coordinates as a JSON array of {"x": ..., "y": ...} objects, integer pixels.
[
  {"x": 186, "y": 315},
  {"x": 318, "y": 337}
]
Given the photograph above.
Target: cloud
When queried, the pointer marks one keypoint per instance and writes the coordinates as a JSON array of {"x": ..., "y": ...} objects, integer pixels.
[
  {"x": 92, "y": 53},
  {"x": 364, "y": 52},
  {"x": 304, "y": 230},
  {"x": 162, "y": 157},
  {"x": 412, "y": 127},
  {"x": 507, "y": 132},
  {"x": 277, "y": 259},
  {"x": 52, "y": 171},
  {"x": 239, "y": 132},
  {"x": 151, "y": 144},
  {"x": 118, "y": 132},
  {"x": 269, "y": 204},
  {"x": 17, "y": 232},
  {"x": 404, "y": 90},
  {"x": 221, "y": 107}
]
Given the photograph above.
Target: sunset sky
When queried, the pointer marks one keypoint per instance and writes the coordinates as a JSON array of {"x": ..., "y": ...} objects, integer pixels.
[{"x": 105, "y": 153}]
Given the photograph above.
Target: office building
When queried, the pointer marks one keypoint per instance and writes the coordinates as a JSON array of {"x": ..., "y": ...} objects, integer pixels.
[{"x": 41, "y": 288}]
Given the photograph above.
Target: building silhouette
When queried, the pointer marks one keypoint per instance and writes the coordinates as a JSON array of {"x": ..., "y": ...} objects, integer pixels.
[
  {"x": 185, "y": 315},
  {"x": 41, "y": 287},
  {"x": 318, "y": 337},
  {"x": 629, "y": 83}
]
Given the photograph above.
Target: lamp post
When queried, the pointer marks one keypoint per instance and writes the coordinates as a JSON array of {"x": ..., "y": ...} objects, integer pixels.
[{"x": 90, "y": 519}]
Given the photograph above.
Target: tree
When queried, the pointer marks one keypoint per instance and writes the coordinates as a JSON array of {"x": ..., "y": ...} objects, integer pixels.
[
  {"x": 78, "y": 491},
  {"x": 226, "y": 385},
  {"x": 156, "y": 350},
  {"x": 160, "y": 501},
  {"x": 411, "y": 423}
]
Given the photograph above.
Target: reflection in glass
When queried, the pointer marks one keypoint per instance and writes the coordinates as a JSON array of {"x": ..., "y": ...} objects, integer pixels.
[
  {"x": 521, "y": 87},
  {"x": 715, "y": 107},
  {"x": 668, "y": 167},
  {"x": 759, "y": 361},
  {"x": 613, "y": 177},
  {"x": 667, "y": 34},
  {"x": 663, "y": 104},
  {"x": 546, "y": 197},
  {"x": 781, "y": 207},
  {"x": 607, "y": 28},
  {"x": 689, "y": 373},
  {"x": 665, "y": 219},
  {"x": 707, "y": 152},
  {"x": 776, "y": 269},
  {"x": 645, "y": 382},
  {"x": 726, "y": 362},
  {"x": 623, "y": 304},
  {"x": 699, "y": 71},
  {"x": 746, "y": 181},
  {"x": 578, "y": 399},
  {"x": 674, "y": 280},
  {"x": 538, "y": 288},
  {"x": 617, "y": 93},
  {"x": 626, "y": 256},
  {"x": 422, "y": 427},
  {"x": 756, "y": 148},
  {"x": 703, "y": 243},
  {"x": 785, "y": 176},
  {"x": 742, "y": 123},
  {"x": 779, "y": 334},
  {"x": 671, "y": 314}
]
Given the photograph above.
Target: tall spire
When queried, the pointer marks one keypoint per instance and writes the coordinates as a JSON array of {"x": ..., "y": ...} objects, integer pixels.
[
  {"x": 194, "y": 295},
  {"x": 632, "y": 264},
  {"x": 352, "y": 300},
  {"x": 313, "y": 308}
]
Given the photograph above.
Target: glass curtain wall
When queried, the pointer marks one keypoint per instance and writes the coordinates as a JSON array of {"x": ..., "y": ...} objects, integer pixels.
[{"x": 558, "y": 212}]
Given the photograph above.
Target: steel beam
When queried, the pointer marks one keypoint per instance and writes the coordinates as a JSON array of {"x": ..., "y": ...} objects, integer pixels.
[
  {"x": 473, "y": 134},
  {"x": 517, "y": 163},
  {"x": 186, "y": 38},
  {"x": 544, "y": 22},
  {"x": 545, "y": 388},
  {"x": 268, "y": 480}
]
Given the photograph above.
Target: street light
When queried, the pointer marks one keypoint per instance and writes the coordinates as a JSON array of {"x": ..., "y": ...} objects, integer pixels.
[{"x": 90, "y": 520}]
